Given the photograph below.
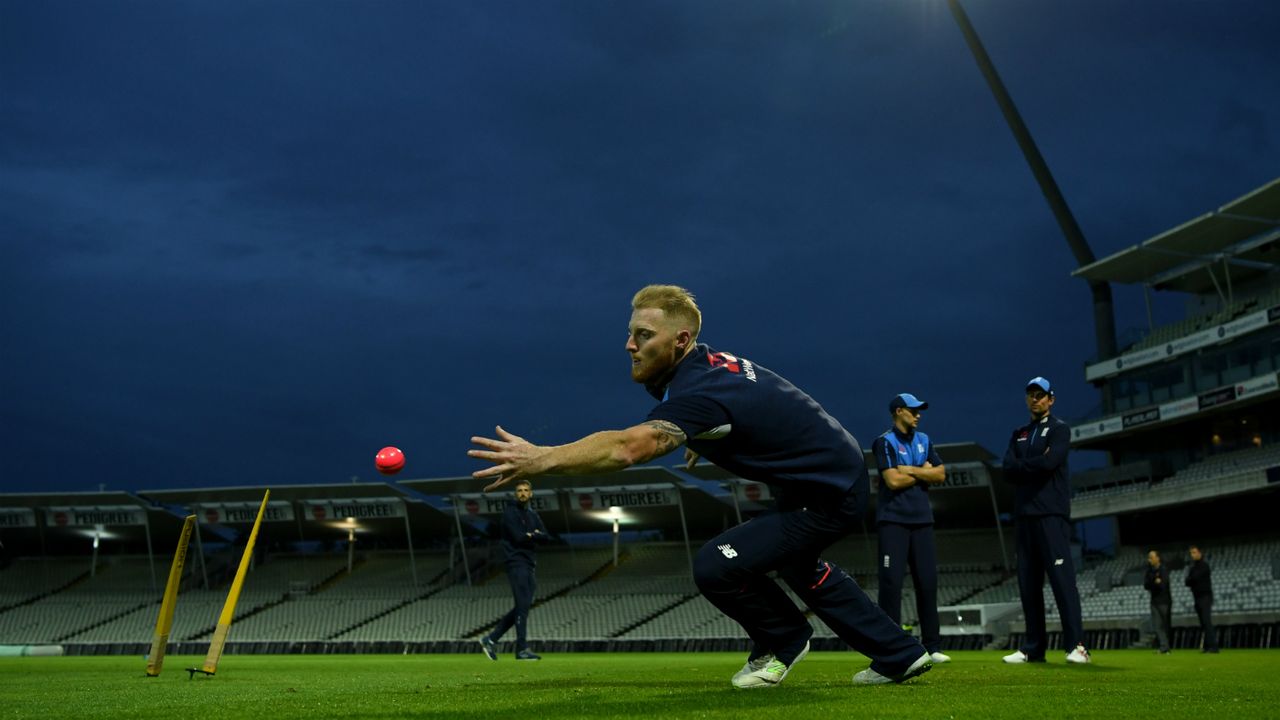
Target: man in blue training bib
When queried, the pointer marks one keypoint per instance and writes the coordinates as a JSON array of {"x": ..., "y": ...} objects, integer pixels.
[
  {"x": 904, "y": 518},
  {"x": 755, "y": 424}
]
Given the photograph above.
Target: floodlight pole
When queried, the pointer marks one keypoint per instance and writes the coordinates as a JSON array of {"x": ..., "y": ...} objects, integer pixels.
[
  {"x": 737, "y": 510},
  {"x": 562, "y": 497},
  {"x": 297, "y": 509},
  {"x": 93, "y": 563},
  {"x": 615, "y": 542},
  {"x": 408, "y": 534},
  {"x": 204, "y": 571},
  {"x": 351, "y": 546},
  {"x": 684, "y": 527},
  {"x": 1104, "y": 321},
  {"x": 151, "y": 558},
  {"x": 995, "y": 511},
  {"x": 462, "y": 539}
]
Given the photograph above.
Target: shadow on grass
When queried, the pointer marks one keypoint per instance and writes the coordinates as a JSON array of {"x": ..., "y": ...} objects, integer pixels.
[
  {"x": 650, "y": 699},
  {"x": 1063, "y": 667}
]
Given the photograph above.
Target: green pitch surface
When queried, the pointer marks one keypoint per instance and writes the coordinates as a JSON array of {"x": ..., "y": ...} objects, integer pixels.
[{"x": 1126, "y": 683}]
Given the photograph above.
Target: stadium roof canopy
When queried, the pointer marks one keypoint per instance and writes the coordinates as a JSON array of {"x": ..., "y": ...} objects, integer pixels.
[
  {"x": 151, "y": 521},
  {"x": 465, "y": 485},
  {"x": 1237, "y": 242},
  {"x": 699, "y": 508},
  {"x": 64, "y": 521},
  {"x": 416, "y": 512},
  {"x": 313, "y": 505}
]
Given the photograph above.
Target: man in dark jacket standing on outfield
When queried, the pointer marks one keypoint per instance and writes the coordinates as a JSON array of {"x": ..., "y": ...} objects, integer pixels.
[
  {"x": 521, "y": 529},
  {"x": 1202, "y": 592},
  {"x": 1036, "y": 463},
  {"x": 1157, "y": 583}
]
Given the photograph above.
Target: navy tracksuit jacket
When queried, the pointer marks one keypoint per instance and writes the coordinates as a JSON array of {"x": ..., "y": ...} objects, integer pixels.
[{"x": 1036, "y": 463}]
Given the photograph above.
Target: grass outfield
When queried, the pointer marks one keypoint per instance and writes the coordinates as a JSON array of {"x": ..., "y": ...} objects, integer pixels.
[{"x": 1122, "y": 683}]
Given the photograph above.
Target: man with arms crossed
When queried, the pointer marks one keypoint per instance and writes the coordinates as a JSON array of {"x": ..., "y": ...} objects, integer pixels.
[
  {"x": 760, "y": 427},
  {"x": 1036, "y": 463},
  {"x": 904, "y": 518},
  {"x": 521, "y": 530}
]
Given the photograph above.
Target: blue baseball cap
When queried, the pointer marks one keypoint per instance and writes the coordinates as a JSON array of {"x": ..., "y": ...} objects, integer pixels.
[
  {"x": 907, "y": 400},
  {"x": 1042, "y": 383}
]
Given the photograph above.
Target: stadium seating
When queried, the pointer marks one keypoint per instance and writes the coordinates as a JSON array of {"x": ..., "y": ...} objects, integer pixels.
[
  {"x": 1229, "y": 463},
  {"x": 117, "y": 587},
  {"x": 1207, "y": 471},
  {"x": 27, "y": 579},
  {"x": 648, "y": 596},
  {"x": 461, "y": 611},
  {"x": 1240, "y": 307},
  {"x": 1243, "y": 578}
]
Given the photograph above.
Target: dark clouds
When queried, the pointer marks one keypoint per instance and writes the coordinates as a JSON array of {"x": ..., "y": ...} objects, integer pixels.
[{"x": 254, "y": 242}]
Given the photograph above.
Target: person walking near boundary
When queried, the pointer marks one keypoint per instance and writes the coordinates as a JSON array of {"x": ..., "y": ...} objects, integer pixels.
[
  {"x": 1198, "y": 579},
  {"x": 522, "y": 529},
  {"x": 908, "y": 465},
  {"x": 1036, "y": 463},
  {"x": 1156, "y": 581}
]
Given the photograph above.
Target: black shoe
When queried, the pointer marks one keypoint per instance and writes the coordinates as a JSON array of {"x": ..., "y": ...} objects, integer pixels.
[
  {"x": 490, "y": 647},
  {"x": 1211, "y": 652},
  {"x": 527, "y": 654}
]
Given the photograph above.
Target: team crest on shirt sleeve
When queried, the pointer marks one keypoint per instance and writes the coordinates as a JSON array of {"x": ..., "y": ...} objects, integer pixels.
[{"x": 735, "y": 365}]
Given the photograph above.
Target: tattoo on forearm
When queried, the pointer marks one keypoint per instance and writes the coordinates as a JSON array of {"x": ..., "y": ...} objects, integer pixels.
[{"x": 670, "y": 436}]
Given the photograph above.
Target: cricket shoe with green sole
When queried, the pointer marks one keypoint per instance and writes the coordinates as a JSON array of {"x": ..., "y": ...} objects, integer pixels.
[{"x": 765, "y": 671}]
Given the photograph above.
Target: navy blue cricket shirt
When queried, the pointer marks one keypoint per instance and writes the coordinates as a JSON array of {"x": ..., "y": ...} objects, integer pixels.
[
  {"x": 757, "y": 425},
  {"x": 1036, "y": 463}
]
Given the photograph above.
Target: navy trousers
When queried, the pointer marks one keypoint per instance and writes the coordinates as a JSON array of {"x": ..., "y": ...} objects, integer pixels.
[
  {"x": 1044, "y": 548},
  {"x": 1162, "y": 620},
  {"x": 903, "y": 546},
  {"x": 520, "y": 575},
  {"x": 732, "y": 570},
  {"x": 1204, "y": 611}
]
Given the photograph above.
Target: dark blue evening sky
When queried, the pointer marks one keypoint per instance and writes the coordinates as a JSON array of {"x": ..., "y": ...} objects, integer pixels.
[{"x": 254, "y": 242}]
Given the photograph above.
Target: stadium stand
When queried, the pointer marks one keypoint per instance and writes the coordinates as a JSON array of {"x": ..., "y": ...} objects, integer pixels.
[
  {"x": 29, "y": 579},
  {"x": 1208, "y": 471},
  {"x": 1246, "y": 587},
  {"x": 582, "y": 596},
  {"x": 1163, "y": 334},
  {"x": 115, "y": 588}
]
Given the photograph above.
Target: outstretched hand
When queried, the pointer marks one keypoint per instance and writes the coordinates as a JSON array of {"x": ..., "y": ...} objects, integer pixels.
[{"x": 512, "y": 456}]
